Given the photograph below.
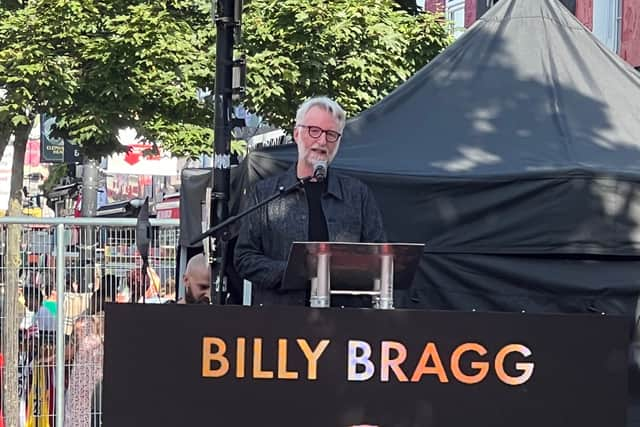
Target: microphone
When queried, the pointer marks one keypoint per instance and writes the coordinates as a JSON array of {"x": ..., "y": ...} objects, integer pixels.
[{"x": 320, "y": 170}]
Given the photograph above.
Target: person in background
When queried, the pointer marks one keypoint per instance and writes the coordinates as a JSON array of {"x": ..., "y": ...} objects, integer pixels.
[
  {"x": 136, "y": 284},
  {"x": 110, "y": 286},
  {"x": 33, "y": 298},
  {"x": 88, "y": 352},
  {"x": 46, "y": 280},
  {"x": 87, "y": 346},
  {"x": 36, "y": 365},
  {"x": 73, "y": 279},
  {"x": 107, "y": 292},
  {"x": 29, "y": 348},
  {"x": 168, "y": 291},
  {"x": 197, "y": 281}
]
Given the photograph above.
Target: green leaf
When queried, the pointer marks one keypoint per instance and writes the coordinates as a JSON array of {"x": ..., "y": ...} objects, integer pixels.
[
  {"x": 19, "y": 120},
  {"x": 101, "y": 65},
  {"x": 356, "y": 51}
]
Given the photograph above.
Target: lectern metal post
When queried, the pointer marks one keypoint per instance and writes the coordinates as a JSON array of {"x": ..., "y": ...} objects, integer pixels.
[
  {"x": 320, "y": 285},
  {"x": 385, "y": 300}
]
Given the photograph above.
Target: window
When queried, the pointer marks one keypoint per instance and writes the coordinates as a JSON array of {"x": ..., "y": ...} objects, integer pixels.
[
  {"x": 455, "y": 15},
  {"x": 607, "y": 22},
  {"x": 483, "y": 5}
]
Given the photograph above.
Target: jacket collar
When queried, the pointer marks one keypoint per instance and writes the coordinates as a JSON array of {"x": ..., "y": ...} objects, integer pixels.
[{"x": 334, "y": 186}]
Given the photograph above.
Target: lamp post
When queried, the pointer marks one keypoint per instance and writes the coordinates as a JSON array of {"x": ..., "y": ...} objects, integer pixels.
[{"x": 227, "y": 21}]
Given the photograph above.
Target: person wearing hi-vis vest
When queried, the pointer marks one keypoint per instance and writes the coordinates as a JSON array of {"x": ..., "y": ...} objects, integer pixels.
[{"x": 331, "y": 206}]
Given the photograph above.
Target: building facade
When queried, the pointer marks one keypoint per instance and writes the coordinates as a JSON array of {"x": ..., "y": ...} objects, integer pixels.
[{"x": 616, "y": 23}]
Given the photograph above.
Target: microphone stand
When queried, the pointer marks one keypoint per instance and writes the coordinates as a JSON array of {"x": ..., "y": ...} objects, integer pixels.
[
  {"x": 143, "y": 239},
  {"x": 282, "y": 191}
]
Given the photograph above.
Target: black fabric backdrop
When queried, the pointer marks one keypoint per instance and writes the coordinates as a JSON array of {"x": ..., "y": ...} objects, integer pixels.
[{"x": 514, "y": 159}]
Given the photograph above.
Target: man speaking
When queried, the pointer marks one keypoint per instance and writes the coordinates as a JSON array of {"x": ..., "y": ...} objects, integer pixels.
[{"x": 329, "y": 207}]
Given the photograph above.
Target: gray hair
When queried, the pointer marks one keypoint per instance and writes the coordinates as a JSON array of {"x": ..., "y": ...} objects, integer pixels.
[{"x": 327, "y": 104}]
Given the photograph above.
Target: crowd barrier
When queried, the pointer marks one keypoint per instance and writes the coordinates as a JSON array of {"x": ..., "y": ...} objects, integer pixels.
[{"x": 54, "y": 276}]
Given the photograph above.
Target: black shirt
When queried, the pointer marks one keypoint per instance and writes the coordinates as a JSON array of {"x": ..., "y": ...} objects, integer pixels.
[{"x": 318, "y": 231}]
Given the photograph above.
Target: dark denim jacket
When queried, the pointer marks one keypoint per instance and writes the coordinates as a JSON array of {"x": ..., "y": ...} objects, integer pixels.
[{"x": 266, "y": 235}]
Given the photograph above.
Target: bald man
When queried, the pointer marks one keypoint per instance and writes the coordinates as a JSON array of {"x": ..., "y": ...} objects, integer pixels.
[{"x": 197, "y": 281}]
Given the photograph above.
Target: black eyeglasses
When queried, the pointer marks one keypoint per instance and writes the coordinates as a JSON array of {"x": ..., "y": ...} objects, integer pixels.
[{"x": 316, "y": 132}]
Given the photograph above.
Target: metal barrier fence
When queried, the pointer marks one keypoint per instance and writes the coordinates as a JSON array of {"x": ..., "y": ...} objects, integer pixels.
[{"x": 55, "y": 275}]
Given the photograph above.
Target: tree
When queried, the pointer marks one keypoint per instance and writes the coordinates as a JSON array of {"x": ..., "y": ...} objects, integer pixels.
[
  {"x": 36, "y": 78},
  {"x": 141, "y": 63},
  {"x": 97, "y": 66},
  {"x": 355, "y": 51}
]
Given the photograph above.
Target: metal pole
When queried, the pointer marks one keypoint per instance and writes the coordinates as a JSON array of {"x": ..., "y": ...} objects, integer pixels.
[
  {"x": 386, "y": 282},
  {"x": 225, "y": 26},
  {"x": 321, "y": 284},
  {"x": 246, "y": 292},
  {"x": 90, "y": 176},
  {"x": 107, "y": 222},
  {"x": 60, "y": 344},
  {"x": 183, "y": 267}
]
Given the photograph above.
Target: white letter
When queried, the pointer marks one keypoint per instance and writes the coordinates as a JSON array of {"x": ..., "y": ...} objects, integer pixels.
[{"x": 363, "y": 359}]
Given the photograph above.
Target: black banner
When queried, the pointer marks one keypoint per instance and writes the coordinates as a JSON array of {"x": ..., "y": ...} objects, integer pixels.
[
  {"x": 55, "y": 150},
  {"x": 179, "y": 365}
]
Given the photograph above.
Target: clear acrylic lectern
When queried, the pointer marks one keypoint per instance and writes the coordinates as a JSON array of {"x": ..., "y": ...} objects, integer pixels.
[{"x": 351, "y": 269}]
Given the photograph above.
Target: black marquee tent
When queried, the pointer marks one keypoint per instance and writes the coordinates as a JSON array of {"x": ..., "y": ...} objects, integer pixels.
[{"x": 515, "y": 156}]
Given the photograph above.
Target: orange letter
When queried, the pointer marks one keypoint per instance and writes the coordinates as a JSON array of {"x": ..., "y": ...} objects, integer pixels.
[
  {"x": 430, "y": 352},
  {"x": 482, "y": 367},
  {"x": 240, "y": 357},
  {"x": 386, "y": 362},
  {"x": 208, "y": 356},
  {"x": 282, "y": 362},
  {"x": 257, "y": 360},
  {"x": 312, "y": 356},
  {"x": 526, "y": 368}
]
